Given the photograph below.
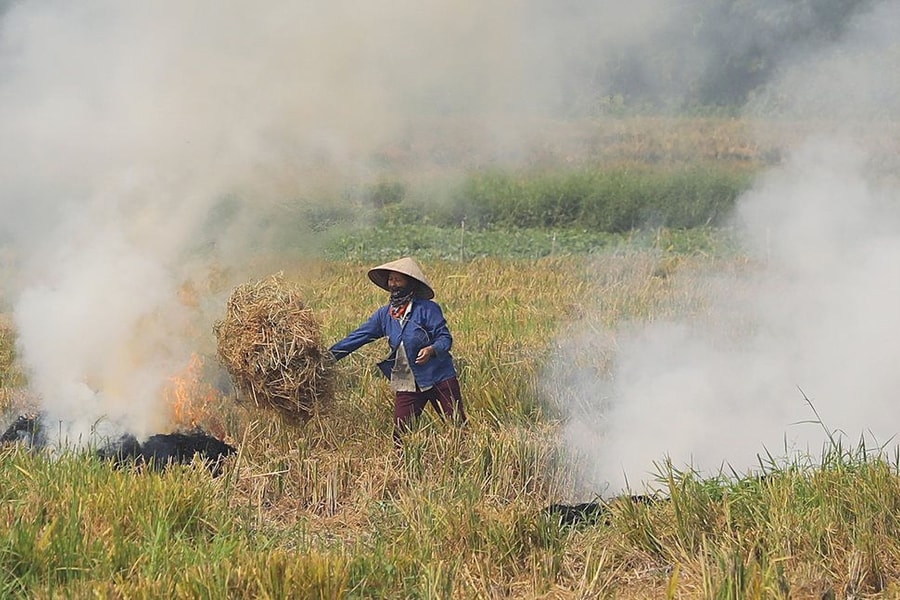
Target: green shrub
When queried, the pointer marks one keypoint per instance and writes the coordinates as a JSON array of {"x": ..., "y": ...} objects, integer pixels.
[{"x": 613, "y": 201}]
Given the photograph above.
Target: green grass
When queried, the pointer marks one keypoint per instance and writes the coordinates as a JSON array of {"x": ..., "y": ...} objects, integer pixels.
[
  {"x": 613, "y": 200},
  {"x": 328, "y": 508},
  {"x": 429, "y": 242},
  {"x": 608, "y": 199}
]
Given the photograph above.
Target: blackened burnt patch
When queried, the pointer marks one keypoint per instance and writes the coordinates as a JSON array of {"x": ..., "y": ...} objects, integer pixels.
[
  {"x": 595, "y": 513},
  {"x": 575, "y": 514},
  {"x": 162, "y": 450},
  {"x": 26, "y": 429},
  {"x": 182, "y": 448},
  {"x": 157, "y": 452}
]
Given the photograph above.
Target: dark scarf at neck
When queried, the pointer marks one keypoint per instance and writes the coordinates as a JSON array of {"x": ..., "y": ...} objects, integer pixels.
[{"x": 400, "y": 299}]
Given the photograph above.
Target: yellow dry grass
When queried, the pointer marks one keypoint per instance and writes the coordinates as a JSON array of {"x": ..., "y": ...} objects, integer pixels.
[{"x": 270, "y": 343}]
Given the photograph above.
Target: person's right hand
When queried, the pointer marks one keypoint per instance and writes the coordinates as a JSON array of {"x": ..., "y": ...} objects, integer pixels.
[{"x": 425, "y": 354}]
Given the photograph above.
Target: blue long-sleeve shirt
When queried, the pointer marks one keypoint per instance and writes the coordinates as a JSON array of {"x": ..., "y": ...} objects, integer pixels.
[{"x": 425, "y": 326}]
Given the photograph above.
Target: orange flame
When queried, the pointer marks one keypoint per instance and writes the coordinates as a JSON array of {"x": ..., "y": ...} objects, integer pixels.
[{"x": 194, "y": 402}]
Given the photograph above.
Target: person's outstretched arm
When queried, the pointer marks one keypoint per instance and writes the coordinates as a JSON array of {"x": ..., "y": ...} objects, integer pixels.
[{"x": 371, "y": 330}]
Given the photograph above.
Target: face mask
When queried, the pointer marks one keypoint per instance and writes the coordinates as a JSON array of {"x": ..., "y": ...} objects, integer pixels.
[{"x": 400, "y": 296}]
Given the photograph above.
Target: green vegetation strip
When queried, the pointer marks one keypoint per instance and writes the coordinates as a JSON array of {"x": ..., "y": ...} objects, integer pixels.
[
  {"x": 600, "y": 200},
  {"x": 427, "y": 242}
]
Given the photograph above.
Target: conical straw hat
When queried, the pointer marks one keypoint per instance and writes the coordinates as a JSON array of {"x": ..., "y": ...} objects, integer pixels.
[{"x": 407, "y": 266}]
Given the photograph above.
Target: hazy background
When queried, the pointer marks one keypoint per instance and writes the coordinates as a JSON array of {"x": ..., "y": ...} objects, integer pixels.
[
  {"x": 810, "y": 328},
  {"x": 149, "y": 148}
]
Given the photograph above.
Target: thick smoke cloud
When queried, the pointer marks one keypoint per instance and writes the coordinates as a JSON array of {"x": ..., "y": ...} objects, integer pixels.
[
  {"x": 809, "y": 330},
  {"x": 147, "y": 143}
]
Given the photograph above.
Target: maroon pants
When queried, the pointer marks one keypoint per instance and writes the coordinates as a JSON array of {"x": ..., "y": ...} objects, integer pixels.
[{"x": 444, "y": 396}]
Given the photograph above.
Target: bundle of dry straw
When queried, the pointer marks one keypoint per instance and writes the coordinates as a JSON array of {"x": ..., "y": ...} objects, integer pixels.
[{"x": 270, "y": 343}]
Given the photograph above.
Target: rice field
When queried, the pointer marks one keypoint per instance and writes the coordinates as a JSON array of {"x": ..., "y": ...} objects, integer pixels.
[{"x": 327, "y": 508}]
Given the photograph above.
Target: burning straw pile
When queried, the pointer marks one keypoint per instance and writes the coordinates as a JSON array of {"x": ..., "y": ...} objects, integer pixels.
[{"x": 270, "y": 343}]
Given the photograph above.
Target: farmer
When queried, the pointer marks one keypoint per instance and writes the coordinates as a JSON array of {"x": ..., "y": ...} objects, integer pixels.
[{"x": 419, "y": 367}]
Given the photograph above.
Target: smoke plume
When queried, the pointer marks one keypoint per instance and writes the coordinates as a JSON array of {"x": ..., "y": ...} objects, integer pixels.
[
  {"x": 800, "y": 346},
  {"x": 150, "y": 146}
]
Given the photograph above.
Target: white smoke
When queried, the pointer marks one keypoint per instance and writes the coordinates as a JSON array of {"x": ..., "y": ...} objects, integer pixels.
[
  {"x": 127, "y": 126},
  {"x": 144, "y": 143},
  {"x": 810, "y": 330}
]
